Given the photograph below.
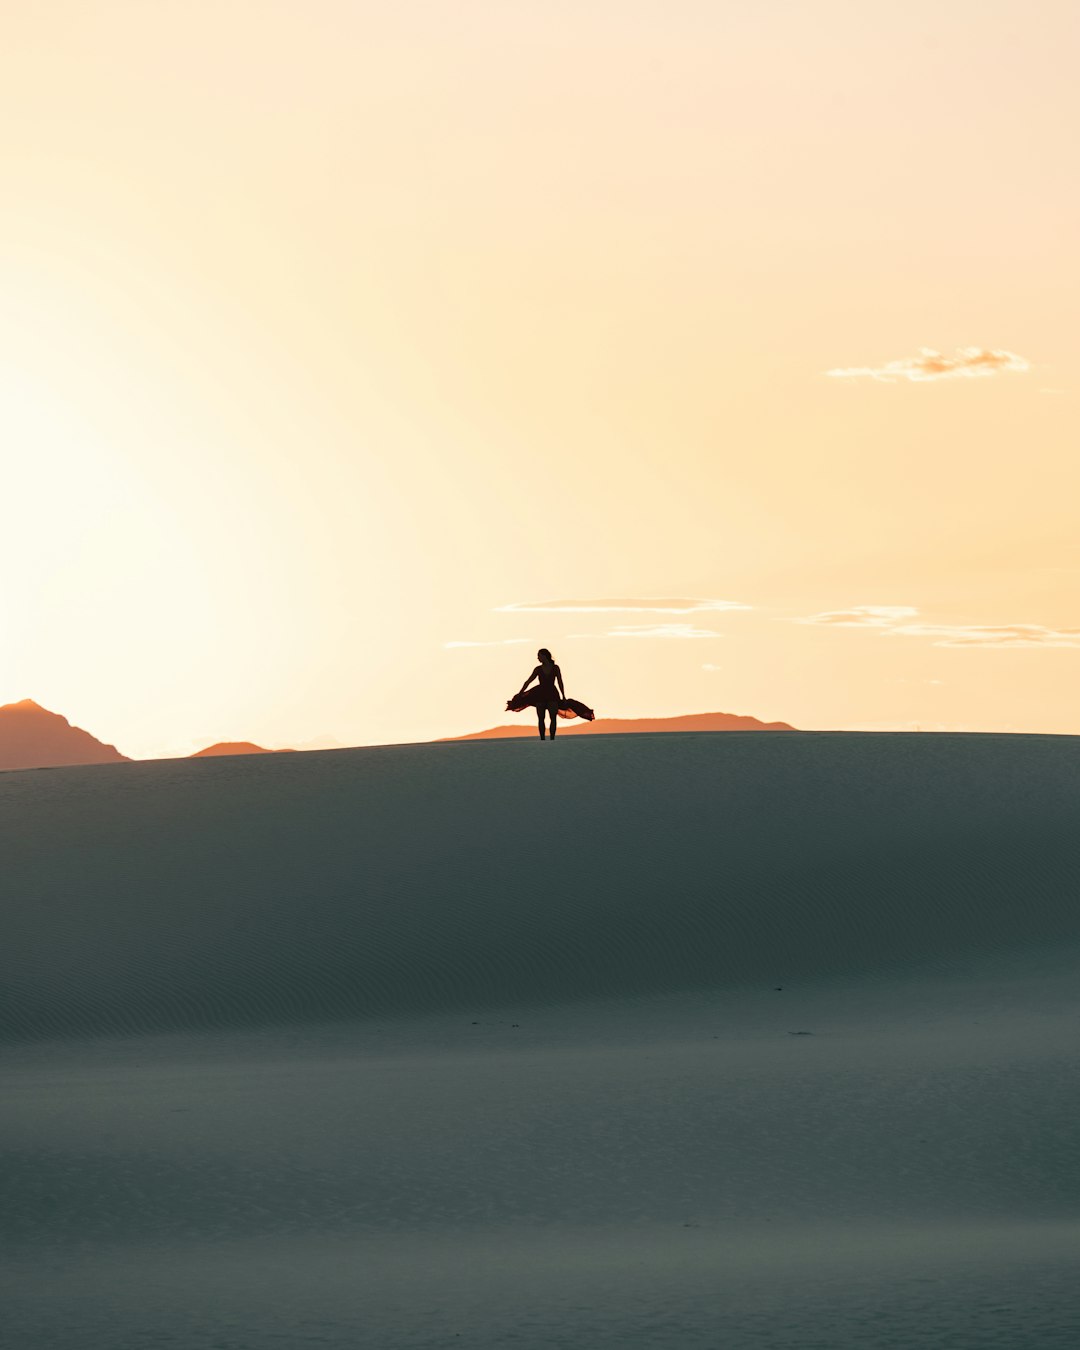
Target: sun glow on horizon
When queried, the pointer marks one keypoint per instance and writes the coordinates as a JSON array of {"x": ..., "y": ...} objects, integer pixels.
[{"x": 329, "y": 341}]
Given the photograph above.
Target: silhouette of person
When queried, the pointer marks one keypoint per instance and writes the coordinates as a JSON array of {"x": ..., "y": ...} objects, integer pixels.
[{"x": 550, "y": 691}]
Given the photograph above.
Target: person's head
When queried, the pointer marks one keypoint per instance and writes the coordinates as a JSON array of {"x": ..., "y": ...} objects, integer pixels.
[{"x": 544, "y": 655}]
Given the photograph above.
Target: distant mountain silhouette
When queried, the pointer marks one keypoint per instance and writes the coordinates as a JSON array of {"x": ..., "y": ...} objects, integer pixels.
[
  {"x": 613, "y": 725},
  {"x": 31, "y": 737},
  {"x": 235, "y": 748}
]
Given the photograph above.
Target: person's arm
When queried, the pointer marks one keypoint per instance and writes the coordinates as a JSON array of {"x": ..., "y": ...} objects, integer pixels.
[
  {"x": 562, "y": 687},
  {"x": 528, "y": 681}
]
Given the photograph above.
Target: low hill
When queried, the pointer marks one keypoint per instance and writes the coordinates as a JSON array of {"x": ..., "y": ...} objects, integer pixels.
[
  {"x": 31, "y": 737},
  {"x": 232, "y": 748},
  {"x": 610, "y": 726}
]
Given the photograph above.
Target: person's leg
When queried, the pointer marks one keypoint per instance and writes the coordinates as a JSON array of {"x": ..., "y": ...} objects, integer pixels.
[
  {"x": 553, "y": 714},
  {"x": 540, "y": 719}
]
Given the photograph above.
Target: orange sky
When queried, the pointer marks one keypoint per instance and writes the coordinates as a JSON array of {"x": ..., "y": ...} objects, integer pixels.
[{"x": 334, "y": 334}]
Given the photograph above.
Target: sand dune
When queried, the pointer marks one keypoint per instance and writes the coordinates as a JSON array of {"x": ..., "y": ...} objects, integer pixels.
[
  {"x": 688, "y": 1040},
  {"x": 425, "y": 878}
]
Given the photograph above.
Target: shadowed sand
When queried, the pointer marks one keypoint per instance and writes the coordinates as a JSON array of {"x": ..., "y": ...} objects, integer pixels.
[{"x": 688, "y": 1040}]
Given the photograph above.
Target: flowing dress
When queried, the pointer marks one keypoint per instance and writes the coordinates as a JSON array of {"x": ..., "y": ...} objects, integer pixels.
[{"x": 545, "y": 695}]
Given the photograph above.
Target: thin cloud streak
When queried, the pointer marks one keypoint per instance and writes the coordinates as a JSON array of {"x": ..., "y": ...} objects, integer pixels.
[
  {"x": 890, "y": 621},
  {"x": 499, "y": 642},
  {"x": 636, "y": 606},
  {"x": 1005, "y": 636},
  {"x": 662, "y": 630},
  {"x": 966, "y": 363},
  {"x": 862, "y": 616}
]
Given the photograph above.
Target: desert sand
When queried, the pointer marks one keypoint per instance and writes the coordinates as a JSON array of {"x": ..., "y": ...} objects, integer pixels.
[{"x": 698, "y": 1040}]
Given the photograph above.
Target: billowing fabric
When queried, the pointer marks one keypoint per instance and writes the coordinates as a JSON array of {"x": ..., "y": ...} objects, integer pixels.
[{"x": 566, "y": 707}]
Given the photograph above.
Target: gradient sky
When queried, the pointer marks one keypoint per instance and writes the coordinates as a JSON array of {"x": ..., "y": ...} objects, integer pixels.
[{"x": 336, "y": 334}]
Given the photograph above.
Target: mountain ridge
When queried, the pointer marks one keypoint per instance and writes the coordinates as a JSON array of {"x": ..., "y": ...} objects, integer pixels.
[
  {"x": 32, "y": 737},
  {"x": 610, "y": 726},
  {"x": 232, "y": 748}
]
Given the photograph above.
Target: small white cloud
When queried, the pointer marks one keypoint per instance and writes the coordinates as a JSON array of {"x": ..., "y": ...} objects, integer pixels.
[
  {"x": 967, "y": 362},
  {"x": 638, "y": 606},
  {"x": 708, "y": 665},
  {"x": 500, "y": 642}
]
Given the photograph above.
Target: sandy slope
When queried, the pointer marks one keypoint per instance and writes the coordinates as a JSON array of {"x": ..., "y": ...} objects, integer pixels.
[{"x": 495, "y": 1044}]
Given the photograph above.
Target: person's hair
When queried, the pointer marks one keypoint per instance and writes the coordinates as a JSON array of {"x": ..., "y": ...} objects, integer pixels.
[{"x": 544, "y": 652}]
